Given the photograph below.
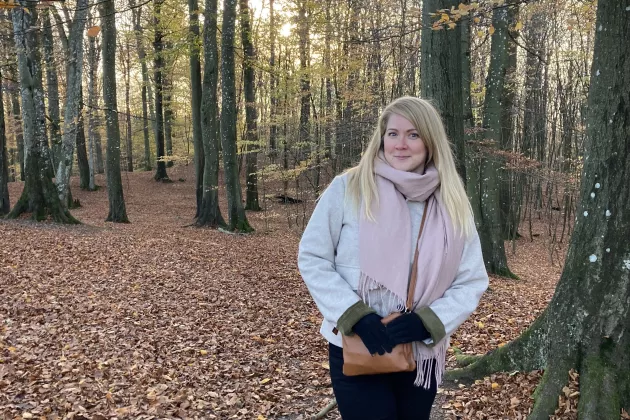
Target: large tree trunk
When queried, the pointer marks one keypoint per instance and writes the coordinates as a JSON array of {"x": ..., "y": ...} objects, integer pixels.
[
  {"x": 39, "y": 195},
  {"x": 137, "y": 27},
  {"x": 117, "y": 210},
  {"x": 5, "y": 205},
  {"x": 93, "y": 59},
  {"x": 442, "y": 76},
  {"x": 196, "y": 92},
  {"x": 52, "y": 89},
  {"x": 158, "y": 67},
  {"x": 210, "y": 214},
  {"x": 236, "y": 212},
  {"x": 587, "y": 323},
  {"x": 249, "y": 87},
  {"x": 490, "y": 232},
  {"x": 74, "y": 70}
]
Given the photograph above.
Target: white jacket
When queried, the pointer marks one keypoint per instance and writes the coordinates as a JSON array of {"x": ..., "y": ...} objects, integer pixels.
[{"x": 328, "y": 261}]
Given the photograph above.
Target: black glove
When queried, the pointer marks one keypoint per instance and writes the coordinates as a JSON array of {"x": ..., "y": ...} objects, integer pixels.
[
  {"x": 373, "y": 334},
  {"x": 407, "y": 328}
]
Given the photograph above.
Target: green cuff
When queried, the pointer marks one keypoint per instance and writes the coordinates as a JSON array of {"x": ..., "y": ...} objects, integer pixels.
[
  {"x": 352, "y": 315},
  {"x": 432, "y": 323}
]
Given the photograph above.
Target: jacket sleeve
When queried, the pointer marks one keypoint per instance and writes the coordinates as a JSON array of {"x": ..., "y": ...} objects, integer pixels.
[
  {"x": 334, "y": 296},
  {"x": 446, "y": 314}
]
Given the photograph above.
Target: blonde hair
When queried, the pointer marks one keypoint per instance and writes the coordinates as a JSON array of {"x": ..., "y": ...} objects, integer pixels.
[{"x": 427, "y": 121}]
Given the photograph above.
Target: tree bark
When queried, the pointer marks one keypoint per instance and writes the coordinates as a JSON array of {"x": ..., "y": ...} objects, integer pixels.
[
  {"x": 52, "y": 89},
  {"x": 128, "y": 107},
  {"x": 442, "y": 76},
  {"x": 137, "y": 27},
  {"x": 586, "y": 326},
  {"x": 236, "y": 212},
  {"x": 82, "y": 157},
  {"x": 210, "y": 214},
  {"x": 117, "y": 209},
  {"x": 5, "y": 205},
  {"x": 74, "y": 70},
  {"x": 158, "y": 66},
  {"x": 93, "y": 59},
  {"x": 252, "y": 146},
  {"x": 168, "y": 112},
  {"x": 39, "y": 196},
  {"x": 273, "y": 82},
  {"x": 196, "y": 92},
  {"x": 16, "y": 113},
  {"x": 490, "y": 232}
]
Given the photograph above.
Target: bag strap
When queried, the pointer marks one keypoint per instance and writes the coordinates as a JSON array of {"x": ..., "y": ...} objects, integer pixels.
[{"x": 413, "y": 278}]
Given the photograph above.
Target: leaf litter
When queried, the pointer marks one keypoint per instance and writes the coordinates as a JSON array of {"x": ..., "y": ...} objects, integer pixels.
[{"x": 157, "y": 319}]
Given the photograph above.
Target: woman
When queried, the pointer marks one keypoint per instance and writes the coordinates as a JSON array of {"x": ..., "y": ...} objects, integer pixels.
[{"x": 356, "y": 252}]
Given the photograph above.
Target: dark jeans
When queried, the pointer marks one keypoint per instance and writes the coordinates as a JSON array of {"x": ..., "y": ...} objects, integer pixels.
[{"x": 391, "y": 396}]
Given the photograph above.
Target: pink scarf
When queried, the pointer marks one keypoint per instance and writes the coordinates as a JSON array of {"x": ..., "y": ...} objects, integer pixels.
[{"x": 385, "y": 250}]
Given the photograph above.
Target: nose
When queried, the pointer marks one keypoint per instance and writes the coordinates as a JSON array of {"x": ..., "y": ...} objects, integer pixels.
[{"x": 402, "y": 143}]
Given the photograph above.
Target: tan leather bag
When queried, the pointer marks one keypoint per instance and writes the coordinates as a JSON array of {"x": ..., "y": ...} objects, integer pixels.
[{"x": 357, "y": 360}]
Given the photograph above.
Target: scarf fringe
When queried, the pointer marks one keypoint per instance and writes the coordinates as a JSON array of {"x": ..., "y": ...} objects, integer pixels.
[{"x": 431, "y": 361}]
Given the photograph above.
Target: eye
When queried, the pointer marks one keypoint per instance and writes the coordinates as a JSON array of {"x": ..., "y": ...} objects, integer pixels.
[
  {"x": 414, "y": 135},
  {"x": 391, "y": 133}
]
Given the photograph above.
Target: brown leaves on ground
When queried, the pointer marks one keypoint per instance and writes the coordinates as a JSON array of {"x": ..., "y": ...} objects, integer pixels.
[{"x": 156, "y": 319}]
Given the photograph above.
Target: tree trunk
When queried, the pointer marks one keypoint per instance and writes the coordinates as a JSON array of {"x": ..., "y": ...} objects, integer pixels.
[
  {"x": 210, "y": 214},
  {"x": 158, "y": 66},
  {"x": 236, "y": 212},
  {"x": 74, "y": 70},
  {"x": 137, "y": 27},
  {"x": 93, "y": 58},
  {"x": 16, "y": 113},
  {"x": 5, "y": 205},
  {"x": 82, "y": 157},
  {"x": 442, "y": 76},
  {"x": 586, "y": 326},
  {"x": 273, "y": 83},
  {"x": 249, "y": 87},
  {"x": 39, "y": 195},
  {"x": 52, "y": 89},
  {"x": 117, "y": 210},
  {"x": 508, "y": 197},
  {"x": 128, "y": 107},
  {"x": 490, "y": 232},
  {"x": 168, "y": 113},
  {"x": 196, "y": 92}
]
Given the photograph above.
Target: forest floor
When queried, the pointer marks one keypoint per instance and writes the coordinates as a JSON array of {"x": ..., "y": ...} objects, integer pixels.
[{"x": 158, "y": 319}]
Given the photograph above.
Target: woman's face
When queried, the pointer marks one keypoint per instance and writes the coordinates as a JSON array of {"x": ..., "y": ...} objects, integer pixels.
[{"x": 404, "y": 149}]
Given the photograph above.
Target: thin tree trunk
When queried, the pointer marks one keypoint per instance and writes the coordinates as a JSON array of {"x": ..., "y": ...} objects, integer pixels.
[
  {"x": 5, "y": 205},
  {"x": 168, "y": 112},
  {"x": 236, "y": 212},
  {"x": 93, "y": 59},
  {"x": 249, "y": 87},
  {"x": 74, "y": 70},
  {"x": 82, "y": 157},
  {"x": 117, "y": 209},
  {"x": 16, "y": 113},
  {"x": 52, "y": 89},
  {"x": 196, "y": 94},
  {"x": 273, "y": 83},
  {"x": 128, "y": 107},
  {"x": 137, "y": 27},
  {"x": 158, "y": 66}
]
